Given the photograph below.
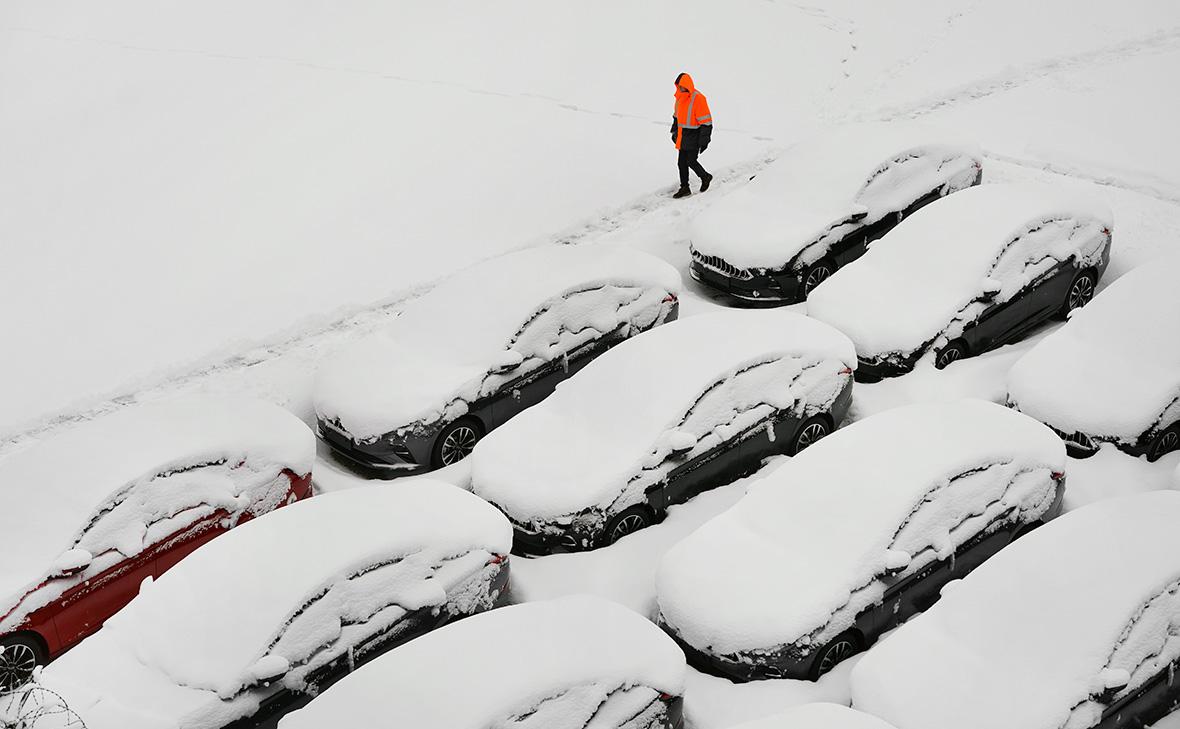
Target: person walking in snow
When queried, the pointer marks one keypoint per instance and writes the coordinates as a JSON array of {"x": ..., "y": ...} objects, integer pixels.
[{"x": 692, "y": 129}]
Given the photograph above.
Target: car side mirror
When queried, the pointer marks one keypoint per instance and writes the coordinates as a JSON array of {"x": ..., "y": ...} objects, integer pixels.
[
  {"x": 1110, "y": 682},
  {"x": 71, "y": 562},
  {"x": 507, "y": 361},
  {"x": 269, "y": 668},
  {"x": 896, "y": 561},
  {"x": 680, "y": 441},
  {"x": 991, "y": 288}
]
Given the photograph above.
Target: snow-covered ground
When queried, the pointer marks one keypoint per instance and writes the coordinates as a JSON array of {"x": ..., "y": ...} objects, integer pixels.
[{"x": 213, "y": 200}]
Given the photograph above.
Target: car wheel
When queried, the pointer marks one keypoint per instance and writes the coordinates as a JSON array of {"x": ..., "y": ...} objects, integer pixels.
[
  {"x": 627, "y": 522},
  {"x": 809, "y": 432},
  {"x": 1080, "y": 292},
  {"x": 456, "y": 441},
  {"x": 1164, "y": 443},
  {"x": 838, "y": 650},
  {"x": 952, "y": 352},
  {"x": 816, "y": 274},
  {"x": 19, "y": 655}
]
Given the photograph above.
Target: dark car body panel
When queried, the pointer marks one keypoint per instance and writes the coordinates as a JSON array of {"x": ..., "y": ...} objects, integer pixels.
[
  {"x": 1155, "y": 699},
  {"x": 998, "y": 324},
  {"x": 784, "y": 285},
  {"x": 726, "y": 462},
  {"x": 416, "y": 623},
  {"x": 904, "y": 598},
  {"x": 412, "y": 452}
]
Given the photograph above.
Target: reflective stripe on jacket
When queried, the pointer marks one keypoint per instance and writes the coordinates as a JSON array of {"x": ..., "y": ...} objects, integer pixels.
[{"x": 692, "y": 108}]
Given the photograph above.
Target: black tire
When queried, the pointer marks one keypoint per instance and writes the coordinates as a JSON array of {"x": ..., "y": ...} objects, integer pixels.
[
  {"x": 627, "y": 521},
  {"x": 952, "y": 352},
  {"x": 817, "y": 273},
  {"x": 1079, "y": 293},
  {"x": 838, "y": 650},
  {"x": 1165, "y": 442},
  {"x": 20, "y": 653},
  {"x": 808, "y": 432},
  {"x": 455, "y": 442}
]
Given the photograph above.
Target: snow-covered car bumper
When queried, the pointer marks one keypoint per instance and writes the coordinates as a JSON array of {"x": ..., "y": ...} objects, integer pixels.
[
  {"x": 786, "y": 662},
  {"x": 408, "y": 454},
  {"x": 750, "y": 286},
  {"x": 875, "y": 369}
]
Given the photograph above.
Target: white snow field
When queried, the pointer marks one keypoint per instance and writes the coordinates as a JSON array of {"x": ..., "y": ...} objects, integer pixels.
[
  {"x": 256, "y": 610},
  {"x": 1112, "y": 373},
  {"x": 1084, "y": 605},
  {"x": 93, "y": 496},
  {"x": 513, "y": 667},
  {"x": 213, "y": 198},
  {"x": 817, "y": 716}
]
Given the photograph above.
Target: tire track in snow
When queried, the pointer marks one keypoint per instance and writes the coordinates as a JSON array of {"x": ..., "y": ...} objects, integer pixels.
[
  {"x": 311, "y": 342},
  {"x": 1160, "y": 41}
]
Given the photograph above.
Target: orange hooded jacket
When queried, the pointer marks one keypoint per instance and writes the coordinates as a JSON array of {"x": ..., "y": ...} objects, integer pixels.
[{"x": 691, "y": 110}]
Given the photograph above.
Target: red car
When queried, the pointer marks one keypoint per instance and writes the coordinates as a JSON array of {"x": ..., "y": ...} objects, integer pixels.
[{"x": 85, "y": 517}]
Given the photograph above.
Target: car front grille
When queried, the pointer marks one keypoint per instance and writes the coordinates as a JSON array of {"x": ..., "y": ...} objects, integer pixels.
[{"x": 718, "y": 264}]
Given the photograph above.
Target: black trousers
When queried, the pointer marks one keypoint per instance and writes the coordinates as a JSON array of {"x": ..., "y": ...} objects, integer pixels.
[{"x": 687, "y": 160}]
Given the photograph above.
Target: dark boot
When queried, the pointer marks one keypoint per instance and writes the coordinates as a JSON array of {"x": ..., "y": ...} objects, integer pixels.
[
  {"x": 705, "y": 181},
  {"x": 682, "y": 192}
]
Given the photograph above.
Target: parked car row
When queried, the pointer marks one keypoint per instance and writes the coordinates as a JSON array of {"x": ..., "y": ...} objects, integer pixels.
[{"x": 587, "y": 409}]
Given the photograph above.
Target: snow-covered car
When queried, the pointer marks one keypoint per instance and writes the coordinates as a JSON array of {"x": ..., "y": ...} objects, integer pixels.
[
  {"x": 1112, "y": 373},
  {"x": 89, "y": 514},
  {"x": 817, "y": 716},
  {"x": 1073, "y": 627},
  {"x": 482, "y": 346},
  {"x": 969, "y": 273},
  {"x": 573, "y": 663},
  {"x": 820, "y": 204},
  {"x": 855, "y": 535},
  {"x": 258, "y": 621},
  {"x": 688, "y": 407}
]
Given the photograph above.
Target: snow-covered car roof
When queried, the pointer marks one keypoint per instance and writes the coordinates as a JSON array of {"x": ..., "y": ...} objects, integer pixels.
[
  {"x": 819, "y": 528},
  {"x": 1037, "y": 630},
  {"x": 482, "y": 670},
  {"x": 444, "y": 344},
  {"x": 813, "y": 185},
  {"x": 580, "y": 447},
  {"x": 53, "y": 490},
  {"x": 195, "y": 634},
  {"x": 1114, "y": 368},
  {"x": 817, "y": 716},
  {"x": 912, "y": 283}
]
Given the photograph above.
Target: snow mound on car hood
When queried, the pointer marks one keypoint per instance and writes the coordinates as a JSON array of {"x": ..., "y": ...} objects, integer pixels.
[
  {"x": 1024, "y": 639},
  {"x": 812, "y": 186},
  {"x": 818, "y": 528},
  {"x": 443, "y": 345},
  {"x": 580, "y": 447},
  {"x": 913, "y": 282},
  {"x": 53, "y": 490},
  {"x": 478, "y": 672},
  {"x": 1114, "y": 368},
  {"x": 208, "y": 619},
  {"x": 817, "y": 716}
]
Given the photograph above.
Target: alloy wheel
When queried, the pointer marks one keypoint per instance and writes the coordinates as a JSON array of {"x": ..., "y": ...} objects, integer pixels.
[
  {"x": 1080, "y": 293},
  {"x": 809, "y": 435},
  {"x": 17, "y": 662},
  {"x": 835, "y": 654},
  {"x": 951, "y": 354},
  {"x": 458, "y": 444},
  {"x": 627, "y": 525},
  {"x": 1167, "y": 443},
  {"x": 815, "y": 276}
]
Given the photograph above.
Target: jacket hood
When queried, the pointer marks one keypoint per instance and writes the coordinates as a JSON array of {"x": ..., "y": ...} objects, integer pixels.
[{"x": 686, "y": 81}]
